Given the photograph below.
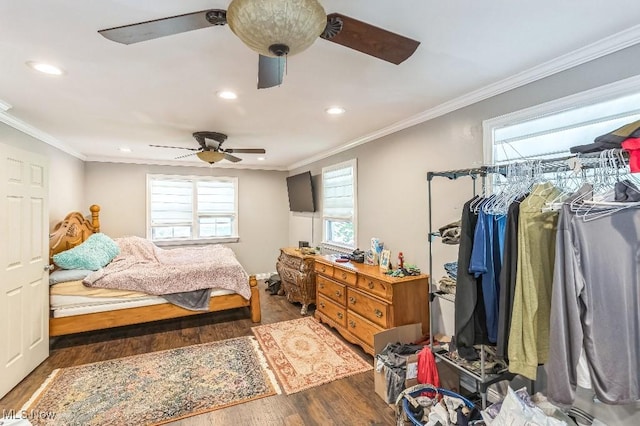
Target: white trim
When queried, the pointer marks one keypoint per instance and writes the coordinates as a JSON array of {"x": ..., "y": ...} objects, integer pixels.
[
  {"x": 596, "y": 50},
  {"x": 5, "y": 106},
  {"x": 598, "y": 94},
  {"x": 28, "y": 129},
  {"x": 235, "y": 166}
]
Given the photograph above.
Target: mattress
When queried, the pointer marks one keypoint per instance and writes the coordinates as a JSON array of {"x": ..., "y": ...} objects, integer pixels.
[{"x": 73, "y": 298}]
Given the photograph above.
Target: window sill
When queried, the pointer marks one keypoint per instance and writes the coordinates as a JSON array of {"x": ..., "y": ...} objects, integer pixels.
[
  {"x": 175, "y": 243},
  {"x": 331, "y": 247}
]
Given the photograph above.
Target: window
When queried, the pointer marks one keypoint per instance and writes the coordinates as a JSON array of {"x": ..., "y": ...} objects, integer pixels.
[
  {"x": 549, "y": 130},
  {"x": 339, "y": 203},
  {"x": 192, "y": 208}
]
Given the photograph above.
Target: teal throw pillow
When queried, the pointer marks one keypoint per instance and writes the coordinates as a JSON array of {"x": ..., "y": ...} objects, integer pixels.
[{"x": 95, "y": 253}]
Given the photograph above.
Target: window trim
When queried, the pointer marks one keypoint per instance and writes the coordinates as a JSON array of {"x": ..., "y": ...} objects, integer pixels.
[
  {"x": 234, "y": 238},
  {"x": 354, "y": 218},
  {"x": 591, "y": 96}
]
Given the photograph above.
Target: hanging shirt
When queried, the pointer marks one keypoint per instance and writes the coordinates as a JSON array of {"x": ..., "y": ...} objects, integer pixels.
[
  {"x": 529, "y": 331},
  {"x": 470, "y": 324},
  {"x": 486, "y": 262},
  {"x": 507, "y": 278},
  {"x": 595, "y": 305}
]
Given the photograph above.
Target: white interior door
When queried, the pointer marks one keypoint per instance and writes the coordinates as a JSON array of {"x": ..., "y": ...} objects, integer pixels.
[{"x": 24, "y": 254}]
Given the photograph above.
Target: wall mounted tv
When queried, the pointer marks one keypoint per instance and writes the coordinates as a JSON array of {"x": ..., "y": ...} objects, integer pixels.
[{"x": 300, "y": 190}]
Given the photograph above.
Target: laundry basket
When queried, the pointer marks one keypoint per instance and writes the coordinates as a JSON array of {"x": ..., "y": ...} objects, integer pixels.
[{"x": 415, "y": 391}]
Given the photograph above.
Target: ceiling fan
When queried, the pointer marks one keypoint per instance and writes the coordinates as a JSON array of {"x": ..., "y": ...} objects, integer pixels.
[
  {"x": 211, "y": 150},
  {"x": 276, "y": 29}
]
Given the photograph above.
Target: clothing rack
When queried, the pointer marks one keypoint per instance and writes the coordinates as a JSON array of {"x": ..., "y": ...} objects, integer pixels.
[{"x": 612, "y": 158}]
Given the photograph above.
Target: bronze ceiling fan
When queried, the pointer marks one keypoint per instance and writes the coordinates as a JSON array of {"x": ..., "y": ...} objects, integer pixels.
[
  {"x": 276, "y": 29},
  {"x": 211, "y": 150}
]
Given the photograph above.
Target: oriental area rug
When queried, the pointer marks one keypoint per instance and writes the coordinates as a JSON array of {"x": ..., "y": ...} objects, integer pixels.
[
  {"x": 157, "y": 387},
  {"x": 304, "y": 354}
]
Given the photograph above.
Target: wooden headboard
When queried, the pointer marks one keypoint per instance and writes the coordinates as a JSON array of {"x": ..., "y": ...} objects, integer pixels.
[{"x": 73, "y": 230}]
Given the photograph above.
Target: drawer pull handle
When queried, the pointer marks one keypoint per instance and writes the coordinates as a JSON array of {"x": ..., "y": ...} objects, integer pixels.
[
  {"x": 371, "y": 285},
  {"x": 344, "y": 276},
  {"x": 352, "y": 323},
  {"x": 322, "y": 305},
  {"x": 378, "y": 313},
  {"x": 322, "y": 269},
  {"x": 338, "y": 293},
  {"x": 321, "y": 285},
  {"x": 339, "y": 315},
  {"x": 352, "y": 300}
]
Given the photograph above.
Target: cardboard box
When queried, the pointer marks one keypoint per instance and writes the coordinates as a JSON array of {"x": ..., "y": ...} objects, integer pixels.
[
  {"x": 449, "y": 376},
  {"x": 403, "y": 334}
]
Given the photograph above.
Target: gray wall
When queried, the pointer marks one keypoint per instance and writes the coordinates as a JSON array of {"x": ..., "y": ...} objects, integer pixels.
[
  {"x": 120, "y": 190},
  {"x": 66, "y": 173}
]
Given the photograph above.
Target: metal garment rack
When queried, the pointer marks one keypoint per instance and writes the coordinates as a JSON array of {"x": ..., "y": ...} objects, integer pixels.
[
  {"x": 482, "y": 380},
  {"x": 615, "y": 158}
]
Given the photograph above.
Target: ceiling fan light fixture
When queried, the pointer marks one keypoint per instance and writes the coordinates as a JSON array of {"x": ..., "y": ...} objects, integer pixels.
[
  {"x": 294, "y": 24},
  {"x": 210, "y": 156}
]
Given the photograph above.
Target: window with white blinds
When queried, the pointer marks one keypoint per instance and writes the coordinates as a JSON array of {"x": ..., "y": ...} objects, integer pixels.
[
  {"x": 339, "y": 203},
  {"x": 192, "y": 208}
]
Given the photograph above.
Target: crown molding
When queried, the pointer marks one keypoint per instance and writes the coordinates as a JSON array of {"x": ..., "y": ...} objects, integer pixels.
[
  {"x": 5, "y": 106},
  {"x": 30, "y": 130},
  {"x": 174, "y": 163},
  {"x": 603, "y": 47}
]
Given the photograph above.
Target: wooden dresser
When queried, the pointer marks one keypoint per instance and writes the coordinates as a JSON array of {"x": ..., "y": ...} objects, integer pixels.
[
  {"x": 297, "y": 276},
  {"x": 359, "y": 301}
]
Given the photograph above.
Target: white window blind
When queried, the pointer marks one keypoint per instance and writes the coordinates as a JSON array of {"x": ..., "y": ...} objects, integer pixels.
[
  {"x": 339, "y": 204},
  {"x": 191, "y": 208}
]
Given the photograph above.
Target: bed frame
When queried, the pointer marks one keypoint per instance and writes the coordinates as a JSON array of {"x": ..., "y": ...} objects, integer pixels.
[{"x": 72, "y": 231}]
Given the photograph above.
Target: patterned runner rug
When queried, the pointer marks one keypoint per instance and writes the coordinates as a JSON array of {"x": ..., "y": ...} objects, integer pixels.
[
  {"x": 157, "y": 387},
  {"x": 304, "y": 354}
]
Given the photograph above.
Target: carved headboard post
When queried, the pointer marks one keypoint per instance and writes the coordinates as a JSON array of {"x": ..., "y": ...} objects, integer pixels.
[{"x": 95, "y": 217}]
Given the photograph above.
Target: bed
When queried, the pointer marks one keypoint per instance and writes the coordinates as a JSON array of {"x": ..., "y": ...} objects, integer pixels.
[{"x": 76, "y": 308}]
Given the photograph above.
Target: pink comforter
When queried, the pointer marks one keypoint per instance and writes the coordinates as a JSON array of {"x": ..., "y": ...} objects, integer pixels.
[{"x": 143, "y": 266}]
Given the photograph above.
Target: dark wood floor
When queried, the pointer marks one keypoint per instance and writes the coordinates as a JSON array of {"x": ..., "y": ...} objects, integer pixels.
[{"x": 349, "y": 401}]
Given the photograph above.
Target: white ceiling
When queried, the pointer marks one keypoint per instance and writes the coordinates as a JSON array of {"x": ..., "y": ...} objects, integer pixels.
[{"x": 161, "y": 91}]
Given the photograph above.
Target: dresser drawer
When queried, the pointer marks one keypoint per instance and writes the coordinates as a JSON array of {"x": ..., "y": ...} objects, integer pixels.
[
  {"x": 331, "y": 289},
  {"x": 370, "y": 308},
  {"x": 347, "y": 277},
  {"x": 374, "y": 286},
  {"x": 322, "y": 268},
  {"x": 361, "y": 328},
  {"x": 333, "y": 311}
]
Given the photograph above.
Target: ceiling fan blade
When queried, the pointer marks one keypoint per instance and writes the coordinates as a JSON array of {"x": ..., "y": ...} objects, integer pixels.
[
  {"x": 232, "y": 158},
  {"x": 366, "y": 38},
  {"x": 245, "y": 151},
  {"x": 270, "y": 71},
  {"x": 148, "y": 30},
  {"x": 186, "y": 155},
  {"x": 175, "y": 147}
]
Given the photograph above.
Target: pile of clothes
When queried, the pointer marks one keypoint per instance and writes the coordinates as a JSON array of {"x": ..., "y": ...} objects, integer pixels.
[
  {"x": 626, "y": 137},
  {"x": 447, "y": 284}
]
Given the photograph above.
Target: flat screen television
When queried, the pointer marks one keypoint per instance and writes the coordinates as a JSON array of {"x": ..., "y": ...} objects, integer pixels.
[{"x": 300, "y": 190}]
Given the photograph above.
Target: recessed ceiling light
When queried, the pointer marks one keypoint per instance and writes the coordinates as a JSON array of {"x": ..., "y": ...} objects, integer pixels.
[
  {"x": 335, "y": 110},
  {"x": 45, "y": 68},
  {"x": 261, "y": 158},
  {"x": 124, "y": 149},
  {"x": 227, "y": 94}
]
